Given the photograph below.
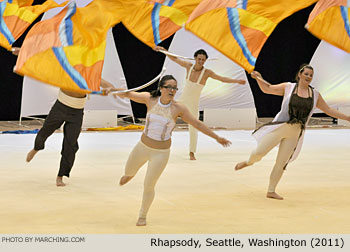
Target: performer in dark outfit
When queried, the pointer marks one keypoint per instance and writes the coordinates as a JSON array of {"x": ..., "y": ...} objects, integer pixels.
[{"x": 68, "y": 109}]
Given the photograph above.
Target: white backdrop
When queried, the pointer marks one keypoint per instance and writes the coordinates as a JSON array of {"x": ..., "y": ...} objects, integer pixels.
[{"x": 332, "y": 74}]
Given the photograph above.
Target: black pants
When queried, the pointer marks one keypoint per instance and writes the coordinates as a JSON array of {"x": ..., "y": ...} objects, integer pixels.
[{"x": 72, "y": 119}]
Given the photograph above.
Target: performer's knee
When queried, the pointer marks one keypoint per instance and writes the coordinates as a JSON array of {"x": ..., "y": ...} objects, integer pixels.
[{"x": 148, "y": 186}]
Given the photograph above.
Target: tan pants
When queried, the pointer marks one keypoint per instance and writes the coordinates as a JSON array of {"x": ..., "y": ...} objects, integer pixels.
[
  {"x": 192, "y": 130},
  {"x": 157, "y": 160},
  {"x": 286, "y": 136}
]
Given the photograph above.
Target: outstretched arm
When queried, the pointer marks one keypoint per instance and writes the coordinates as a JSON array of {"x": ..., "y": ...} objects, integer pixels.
[
  {"x": 321, "y": 104},
  {"x": 266, "y": 87},
  {"x": 181, "y": 62},
  {"x": 189, "y": 118},
  {"x": 140, "y": 97},
  {"x": 215, "y": 76}
]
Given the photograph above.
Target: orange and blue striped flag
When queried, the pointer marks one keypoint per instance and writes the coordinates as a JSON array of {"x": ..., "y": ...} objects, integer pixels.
[
  {"x": 68, "y": 50},
  {"x": 329, "y": 21},
  {"x": 239, "y": 28},
  {"x": 154, "y": 21},
  {"x": 16, "y": 16}
]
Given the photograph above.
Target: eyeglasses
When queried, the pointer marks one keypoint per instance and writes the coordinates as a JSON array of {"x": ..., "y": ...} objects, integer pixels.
[{"x": 171, "y": 88}]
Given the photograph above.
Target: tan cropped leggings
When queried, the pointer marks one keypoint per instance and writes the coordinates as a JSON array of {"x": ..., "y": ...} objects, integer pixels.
[
  {"x": 157, "y": 160},
  {"x": 286, "y": 136}
]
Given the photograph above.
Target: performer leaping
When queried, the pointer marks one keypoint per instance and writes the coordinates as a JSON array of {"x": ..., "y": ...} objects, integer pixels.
[
  {"x": 154, "y": 147},
  {"x": 288, "y": 127}
]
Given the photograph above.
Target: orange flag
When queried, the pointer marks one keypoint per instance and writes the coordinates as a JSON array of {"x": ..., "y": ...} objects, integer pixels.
[
  {"x": 329, "y": 21},
  {"x": 17, "y": 15},
  {"x": 154, "y": 21},
  {"x": 239, "y": 28},
  {"x": 68, "y": 50}
]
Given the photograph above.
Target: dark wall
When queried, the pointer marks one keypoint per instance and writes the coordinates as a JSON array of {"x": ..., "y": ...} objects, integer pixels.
[
  {"x": 10, "y": 86},
  {"x": 286, "y": 49},
  {"x": 140, "y": 63}
]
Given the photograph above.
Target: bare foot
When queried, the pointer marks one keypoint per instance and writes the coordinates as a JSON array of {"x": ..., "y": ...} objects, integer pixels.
[
  {"x": 31, "y": 154},
  {"x": 241, "y": 165},
  {"x": 192, "y": 157},
  {"x": 59, "y": 181},
  {"x": 141, "y": 222},
  {"x": 125, "y": 179},
  {"x": 273, "y": 195}
]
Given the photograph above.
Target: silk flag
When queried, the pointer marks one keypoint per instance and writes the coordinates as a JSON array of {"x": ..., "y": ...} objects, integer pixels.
[
  {"x": 239, "y": 28},
  {"x": 154, "y": 21},
  {"x": 68, "y": 50},
  {"x": 16, "y": 16},
  {"x": 329, "y": 21},
  {"x": 275, "y": 10},
  {"x": 21, "y": 3}
]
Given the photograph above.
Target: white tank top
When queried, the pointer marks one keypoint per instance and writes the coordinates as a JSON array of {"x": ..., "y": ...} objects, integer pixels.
[
  {"x": 159, "y": 122},
  {"x": 192, "y": 90}
]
